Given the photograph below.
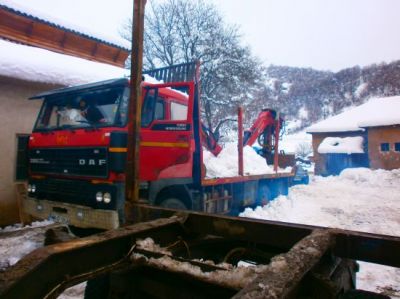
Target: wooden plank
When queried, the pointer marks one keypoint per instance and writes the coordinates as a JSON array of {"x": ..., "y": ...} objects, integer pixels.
[{"x": 23, "y": 29}]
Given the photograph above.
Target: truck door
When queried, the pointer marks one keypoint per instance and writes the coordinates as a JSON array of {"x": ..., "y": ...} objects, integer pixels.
[{"x": 166, "y": 145}]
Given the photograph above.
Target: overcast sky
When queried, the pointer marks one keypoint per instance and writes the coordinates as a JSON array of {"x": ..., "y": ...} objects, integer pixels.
[{"x": 323, "y": 34}]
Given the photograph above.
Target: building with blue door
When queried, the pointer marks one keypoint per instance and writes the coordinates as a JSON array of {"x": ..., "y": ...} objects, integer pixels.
[{"x": 364, "y": 136}]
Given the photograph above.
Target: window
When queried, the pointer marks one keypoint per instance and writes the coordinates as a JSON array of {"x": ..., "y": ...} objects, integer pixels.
[
  {"x": 159, "y": 114},
  {"x": 21, "y": 167},
  {"x": 384, "y": 147},
  {"x": 397, "y": 147},
  {"x": 178, "y": 111},
  {"x": 153, "y": 107},
  {"x": 105, "y": 106}
]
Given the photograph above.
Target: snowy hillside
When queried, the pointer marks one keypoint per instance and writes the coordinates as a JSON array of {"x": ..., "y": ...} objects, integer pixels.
[{"x": 310, "y": 95}]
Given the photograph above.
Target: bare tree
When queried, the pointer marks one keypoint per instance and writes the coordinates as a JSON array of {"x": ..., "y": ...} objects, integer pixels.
[{"x": 178, "y": 31}]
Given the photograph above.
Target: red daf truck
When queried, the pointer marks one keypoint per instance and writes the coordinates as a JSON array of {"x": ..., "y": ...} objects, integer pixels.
[{"x": 78, "y": 147}]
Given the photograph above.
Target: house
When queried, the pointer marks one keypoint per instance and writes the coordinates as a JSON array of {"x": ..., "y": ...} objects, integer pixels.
[
  {"x": 363, "y": 136},
  {"x": 39, "y": 53}
]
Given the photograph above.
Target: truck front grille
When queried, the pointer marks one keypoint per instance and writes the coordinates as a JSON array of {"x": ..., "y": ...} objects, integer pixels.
[{"x": 92, "y": 162}]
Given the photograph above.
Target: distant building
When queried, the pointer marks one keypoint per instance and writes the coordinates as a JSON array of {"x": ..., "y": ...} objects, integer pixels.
[
  {"x": 39, "y": 53},
  {"x": 364, "y": 136}
]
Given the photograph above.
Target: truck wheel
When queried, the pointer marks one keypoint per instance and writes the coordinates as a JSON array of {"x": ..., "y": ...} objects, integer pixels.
[{"x": 173, "y": 203}]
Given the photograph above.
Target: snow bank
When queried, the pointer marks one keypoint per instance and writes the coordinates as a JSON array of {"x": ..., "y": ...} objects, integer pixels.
[
  {"x": 58, "y": 22},
  {"x": 18, "y": 226},
  {"x": 226, "y": 163},
  {"x": 358, "y": 199},
  {"x": 376, "y": 112},
  {"x": 337, "y": 145},
  {"x": 49, "y": 67},
  {"x": 20, "y": 243}
]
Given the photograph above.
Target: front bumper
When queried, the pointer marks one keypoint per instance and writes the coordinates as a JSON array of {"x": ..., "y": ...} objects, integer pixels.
[{"x": 71, "y": 214}]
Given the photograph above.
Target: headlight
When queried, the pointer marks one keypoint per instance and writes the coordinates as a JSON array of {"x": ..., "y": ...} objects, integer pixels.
[
  {"x": 29, "y": 188},
  {"x": 33, "y": 188},
  {"x": 99, "y": 196},
  {"x": 107, "y": 197},
  {"x": 79, "y": 214}
]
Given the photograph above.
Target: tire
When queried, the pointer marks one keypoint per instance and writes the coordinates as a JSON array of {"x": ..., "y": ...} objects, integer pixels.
[{"x": 173, "y": 203}]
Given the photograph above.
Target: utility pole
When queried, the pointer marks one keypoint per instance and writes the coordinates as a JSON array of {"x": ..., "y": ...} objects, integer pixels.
[{"x": 135, "y": 107}]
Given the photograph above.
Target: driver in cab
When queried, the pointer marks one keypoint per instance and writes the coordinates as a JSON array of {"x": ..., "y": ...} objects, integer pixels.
[{"x": 91, "y": 112}]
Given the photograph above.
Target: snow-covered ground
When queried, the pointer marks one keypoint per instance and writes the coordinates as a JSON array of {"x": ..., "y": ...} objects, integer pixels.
[
  {"x": 359, "y": 199},
  {"x": 17, "y": 241}
]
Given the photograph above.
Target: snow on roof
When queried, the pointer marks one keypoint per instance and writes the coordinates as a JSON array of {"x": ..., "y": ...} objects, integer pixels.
[
  {"x": 34, "y": 14},
  {"x": 39, "y": 65},
  {"x": 336, "y": 145},
  {"x": 375, "y": 112}
]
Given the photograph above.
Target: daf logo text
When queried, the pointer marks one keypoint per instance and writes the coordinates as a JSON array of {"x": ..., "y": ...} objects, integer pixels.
[{"x": 92, "y": 162}]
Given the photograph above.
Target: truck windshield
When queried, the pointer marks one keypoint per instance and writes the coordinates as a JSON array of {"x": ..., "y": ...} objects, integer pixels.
[{"x": 94, "y": 108}]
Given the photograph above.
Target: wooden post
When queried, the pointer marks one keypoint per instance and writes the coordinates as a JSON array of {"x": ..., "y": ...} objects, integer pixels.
[
  {"x": 240, "y": 139},
  {"x": 135, "y": 107}
]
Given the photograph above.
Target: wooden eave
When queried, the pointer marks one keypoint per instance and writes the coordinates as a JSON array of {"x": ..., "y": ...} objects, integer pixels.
[
  {"x": 30, "y": 31},
  {"x": 381, "y": 127}
]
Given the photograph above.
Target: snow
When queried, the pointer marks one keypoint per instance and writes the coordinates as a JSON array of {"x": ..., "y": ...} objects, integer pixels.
[
  {"x": 29, "y": 10},
  {"x": 18, "y": 226},
  {"x": 359, "y": 199},
  {"x": 376, "y": 112},
  {"x": 292, "y": 143},
  {"x": 20, "y": 241},
  {"x": 16, "y": 241},
  {"x": 226, "y": 163},
  {"x": 229, "y": 275},
  {"x": 360, "y": 89},
  {"x": 50, "y": 67},
  {"x": 303, "y": 113},
  {"x": 337, "y": 145}
]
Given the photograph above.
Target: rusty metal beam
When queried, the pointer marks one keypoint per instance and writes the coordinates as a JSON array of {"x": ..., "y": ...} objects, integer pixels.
[
  {"x": 51, "y": 269},
  {"x": 285, "y": 272},
  {"x": 135, "y": 107},
  {"x": 374, "y": 248}
]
